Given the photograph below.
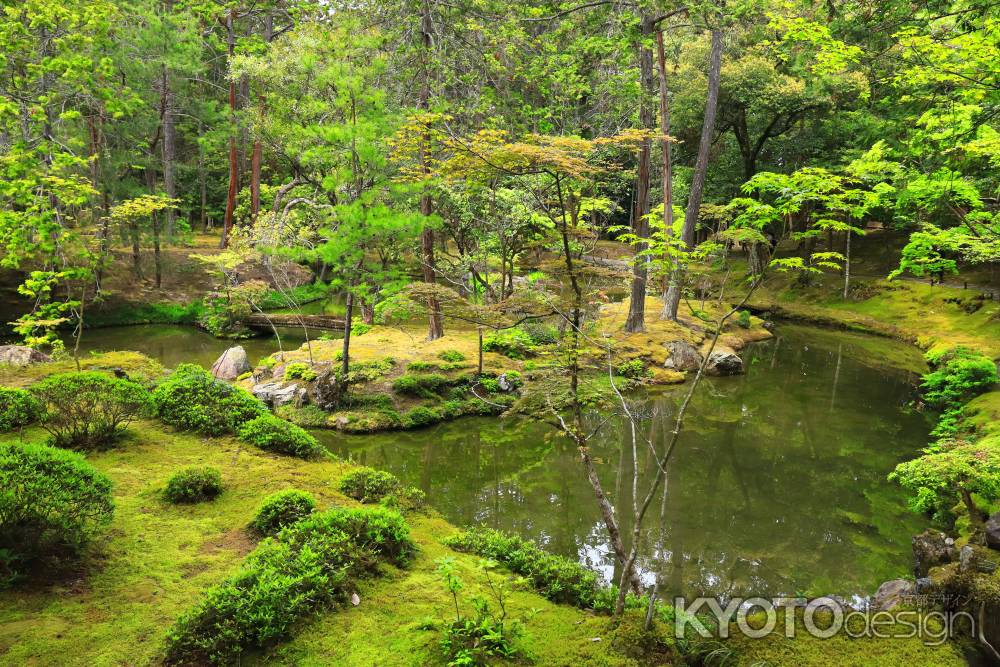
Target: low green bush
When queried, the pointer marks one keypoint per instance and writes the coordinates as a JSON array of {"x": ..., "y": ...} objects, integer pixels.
[
  {"x": 282, "y": 509},
  {"x": 309, "y": 565},
  {"x": 192, "y": 399},
  {"x": 406, "y": 499},
  {"x": 423, "y": 366},
  {"x": 274, "y": 434},
  {"x": 959, "y": 374},
  {"x": 421, "y": 416},
  {"x": 634, "y": 369},
  {"x": 193, "y": 485},
  {"x": 88, "y": 410},
  {"x": 541, "y": 333},
  {"x": 511, "y": 343},
  {"x": 451, "y": 356},
  {"x": 368, "y": 485},
  {"x": 424, "y": 385},
  {"x": 743, "y": 319},
  {"x": 300, "y": 371},
  {"x": 17, "y": 408},
  {"x": 360, "y": 328},
  {"x": 51, "y": 503},
  {"x": 557, "y": 578}
]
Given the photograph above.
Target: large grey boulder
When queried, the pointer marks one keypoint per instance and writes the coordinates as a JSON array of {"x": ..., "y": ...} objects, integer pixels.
[
  {"x": 724, "y": 361},
  {"x": 993, "y": 531},
  {"x": 683, "y": 356},
  {"x": 893, "y": 593},
  {"x": 326, "y": 391},
  {"x": 20, "y": 355},
  {"x": 275, "y": 395},
  {"x": 232, "y": 364}
]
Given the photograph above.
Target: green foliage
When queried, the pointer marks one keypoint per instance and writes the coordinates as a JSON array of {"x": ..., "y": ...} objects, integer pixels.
[
  {"x": 634, "y": 369},
  {"x": 282, "y": 509},
  {"x": 485, "y": 636},
  {"x": 959, "y": 374},
  {"x": 17, "y": 408},
  {"x": 743, "y": 319},
  {"x": 426, "y": 385},
  {"x": 360, "y": 328},
  {"x": 88, "y": 410},
  {"x": 420, "y": 416},
  {"x": 368, "y": 485},
  {"x": 192, "y": 399},
  {"x": 406, "y": 499},
  {"x": 299, "y": 371},
  {"x": 51, "y": 502},
  {"x": 541, "y": 333},
  {"x": 310, "y": 565},
  {"x": 511, "y": 343},
  {"x": 368, "y": 371},
  {"x": 274, "y": 434},
  {"x": 193, "y": 485},
  {"x": 557, "y": 578},
  {"x": 451, "y": 356},
  {"x": 939, "y": 479}
]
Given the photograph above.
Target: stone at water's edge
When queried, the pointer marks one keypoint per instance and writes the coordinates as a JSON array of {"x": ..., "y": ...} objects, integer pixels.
[
  {"x": 930, "y": 549},
  {"x": 993, "y": 531},
  {"x": 232, "y": 364},
  {"x": 20, "y": 355},
  {"x": 326, "y": 391},
  {"x": 724, "y": 361},
  {"x": 274, "y": 395},
  {"x": 683, "y": 356},
  {"x": 893, "y": 593}
]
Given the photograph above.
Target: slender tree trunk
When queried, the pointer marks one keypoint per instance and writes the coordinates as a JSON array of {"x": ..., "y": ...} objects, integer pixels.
[
  {"x": 435, "y": 327},
  {"x": 157, "y": 258},
  {"x": 258, "y": 149},
  {"x": 701, "y": 164},
  {"x": 345, "y": 362},
  {"x": 847, "y": 263},
  {"x": 234, "y": 173},
  {"x": 672, "y": 294},
  {"x": 636, "y": 320},
  {"x": 168, "y": 149}
]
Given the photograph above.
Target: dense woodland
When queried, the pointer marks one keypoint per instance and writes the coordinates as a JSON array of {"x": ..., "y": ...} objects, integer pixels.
[{"x": 540, "y": 210}]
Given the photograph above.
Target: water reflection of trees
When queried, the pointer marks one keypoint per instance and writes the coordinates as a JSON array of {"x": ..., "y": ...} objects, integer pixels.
[{"x": 771, "y": 490}]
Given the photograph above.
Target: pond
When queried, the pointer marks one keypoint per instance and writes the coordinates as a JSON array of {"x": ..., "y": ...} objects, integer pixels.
[
  {"x": 778, "y": 485},
  {"x": 176, "y": 344}
]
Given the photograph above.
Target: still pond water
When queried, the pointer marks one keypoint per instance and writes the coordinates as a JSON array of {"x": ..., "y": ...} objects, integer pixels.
[{"x": 778, "y": 485}]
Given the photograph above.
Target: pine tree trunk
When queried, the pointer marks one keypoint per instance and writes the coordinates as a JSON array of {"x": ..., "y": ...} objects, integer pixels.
[
  {"x": 345, "y": 362},
  {"x": 672, "y": 295},
  {"x": 435, "y": 328},
  {"x": 234, "y": 174},
  {"x": 636, "y": 320}
]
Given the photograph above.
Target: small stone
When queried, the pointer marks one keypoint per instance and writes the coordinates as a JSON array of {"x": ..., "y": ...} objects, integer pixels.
[
  {"x": 683, "y": 356},
  {"x": 21, "y": 355},
  {"x": 930, "y": 549},
  {"x": 892, "y": 593},
  {"x": 924, "y": 585},
  {"x": 232, "y": 364},
  {"x": 993, "y": 531},
  {"x": 355, "y": 600},
  {"x": 724, "y": 361},
  {"x": 965, "y": 558}
]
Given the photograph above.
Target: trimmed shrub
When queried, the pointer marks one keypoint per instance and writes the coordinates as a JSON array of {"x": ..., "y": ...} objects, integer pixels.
[
  {"x": 743, "y": 319},
  {"x": 192, "y": 399},
  {"x": 51, "y": 502},
  {"x": 17, "y": 408},
  {"x": 557, "y": 578},
  {"x": 193, "y": 485},
  {"x": 300, "y": 371},
  {"x": 634, "y": 369},
  {"x": 282, "y": 509},
  {"x": 407, "y": 499},
  {"x": 368, "y": 485},
  {"x": 88, "y": 410},
  {"x": 308, "y": 566},
  {"x": 511, "y": 343},
  {"x": 421, "y": 416},
  {"x": 451, "y": 356},
  {"x": 276, "y": 435},
  {"x": 424, "y": 385}
]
